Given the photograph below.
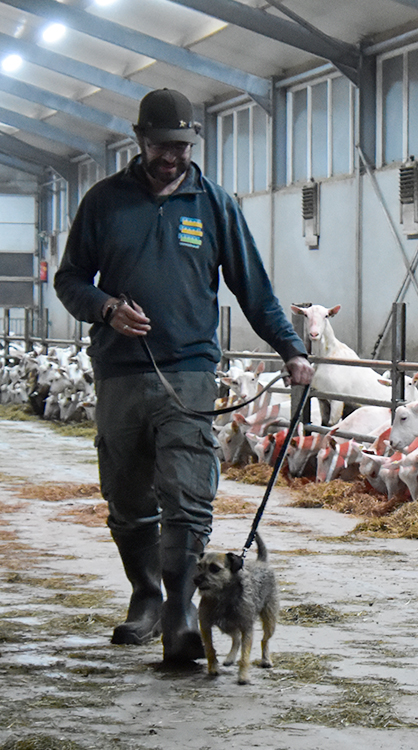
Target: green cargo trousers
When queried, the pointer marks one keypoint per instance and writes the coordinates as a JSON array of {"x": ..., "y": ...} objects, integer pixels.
[{"x": 156, "y": 462}]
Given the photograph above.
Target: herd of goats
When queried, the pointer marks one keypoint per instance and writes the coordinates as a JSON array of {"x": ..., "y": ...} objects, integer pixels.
[{"x": 59, "y": 385}]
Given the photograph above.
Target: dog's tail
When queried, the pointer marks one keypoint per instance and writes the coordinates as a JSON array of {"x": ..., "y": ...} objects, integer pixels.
[{"x": 262, "y": 553}]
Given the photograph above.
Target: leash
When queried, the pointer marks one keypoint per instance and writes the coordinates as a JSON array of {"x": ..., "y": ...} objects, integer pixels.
[
  {"x": 170, "y": 390},
  {"x": 224, "y": 410},
  {"x": 277, "y": 466},
  {"x": 282, "y": 453}
]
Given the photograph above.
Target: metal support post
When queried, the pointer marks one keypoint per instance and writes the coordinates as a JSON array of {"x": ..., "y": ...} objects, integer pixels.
[
  {"x": 28, "y": 345},
  {"x": 398, "y": 353},
  {"x": 299, "y": 324},
  {"x": 225, "y": 342}
]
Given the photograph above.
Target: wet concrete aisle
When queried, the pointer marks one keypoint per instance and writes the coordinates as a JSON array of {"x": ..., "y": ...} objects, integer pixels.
[{"x": 345, "y": 650}]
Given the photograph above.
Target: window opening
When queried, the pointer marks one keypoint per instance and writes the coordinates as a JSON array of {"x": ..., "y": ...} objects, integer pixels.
[{"x": 244, "y": 149}]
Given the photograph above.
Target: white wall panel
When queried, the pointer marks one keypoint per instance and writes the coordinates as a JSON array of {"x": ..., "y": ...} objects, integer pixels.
[
  {"x": 383, "y": 265},
  {"x": 17, "y": 238},
  {"x": 19, "y": 209},
  {"x": 257, "y": 211},
  {"x": 325, "y": 276},
  {"x": 17, "y": 245}
]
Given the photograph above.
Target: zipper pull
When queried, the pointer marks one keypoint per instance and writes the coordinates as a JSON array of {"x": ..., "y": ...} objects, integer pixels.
[{"x": 161, "y": 210}]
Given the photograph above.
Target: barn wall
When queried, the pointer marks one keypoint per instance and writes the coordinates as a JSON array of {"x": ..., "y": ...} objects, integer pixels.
[
  {"x": 61, "y": 323},
  {"x": 257, "y": 211},
  {"x": 325, "y": 276},
  {"x": 328, "y": 275},
  {"x": 383, "y": 266},
  {"x": 17, "y": 254}
]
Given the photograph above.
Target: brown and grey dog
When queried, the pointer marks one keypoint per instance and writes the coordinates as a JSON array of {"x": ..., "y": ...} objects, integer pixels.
[{"x": 233, "y": 595}]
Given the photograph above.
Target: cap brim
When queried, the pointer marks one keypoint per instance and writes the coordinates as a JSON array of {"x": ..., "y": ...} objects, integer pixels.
[{"x": 184, "y": 135}]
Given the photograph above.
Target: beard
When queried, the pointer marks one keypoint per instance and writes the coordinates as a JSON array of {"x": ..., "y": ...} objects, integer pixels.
[{"x": 164, "y": 170}]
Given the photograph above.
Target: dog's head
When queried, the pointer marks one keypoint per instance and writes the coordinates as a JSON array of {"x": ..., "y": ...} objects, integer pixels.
[{"x": 215, "y": 570}]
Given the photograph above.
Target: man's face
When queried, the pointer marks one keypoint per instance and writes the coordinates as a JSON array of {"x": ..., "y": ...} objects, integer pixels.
[{"x": 165, "y": 162}]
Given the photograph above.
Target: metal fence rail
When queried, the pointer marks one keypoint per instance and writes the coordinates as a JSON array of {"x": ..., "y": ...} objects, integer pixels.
[
  {"x": 35, "y": 330},
  {"x": 398, "y": 366}
]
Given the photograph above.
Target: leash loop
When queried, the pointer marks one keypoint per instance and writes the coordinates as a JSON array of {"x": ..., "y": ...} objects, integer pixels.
[{"x": 169, "y": 388}]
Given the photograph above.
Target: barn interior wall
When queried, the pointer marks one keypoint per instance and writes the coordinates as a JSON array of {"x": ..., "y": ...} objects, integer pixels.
[
  {"x": 17, "y": 251},
  {"x": 359, "y": 262},
  {"x": 61, "y": 324},
  {"x": 383, "y": 267},
  {"x": 328, "y": 275}
]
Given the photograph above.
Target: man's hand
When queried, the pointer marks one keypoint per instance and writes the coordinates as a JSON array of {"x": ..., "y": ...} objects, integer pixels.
[
  {"x": 301, "y": 372},
  {"x": 131, "y": 321}
]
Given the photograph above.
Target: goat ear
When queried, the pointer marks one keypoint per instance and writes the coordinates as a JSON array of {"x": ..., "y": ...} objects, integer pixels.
[
  {"x": 235, "y": 562},
  {"x": 297, "y": 310},
  {"x": 226, "y": 381},
  {"x": 260, "y": 368},
  {"x": 334, "y": 310},
  {"x": 239, "y": 418}
]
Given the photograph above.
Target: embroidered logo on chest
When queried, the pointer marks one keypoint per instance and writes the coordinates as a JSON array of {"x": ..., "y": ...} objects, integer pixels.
[{"x": 190, "y": 232}]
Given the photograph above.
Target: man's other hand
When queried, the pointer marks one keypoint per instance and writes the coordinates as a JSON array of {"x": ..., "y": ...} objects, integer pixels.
[{"x": 301, "y": 372}]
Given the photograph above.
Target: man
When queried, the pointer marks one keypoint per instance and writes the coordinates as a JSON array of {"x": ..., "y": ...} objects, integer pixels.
[{"x": 158, "y": 231}]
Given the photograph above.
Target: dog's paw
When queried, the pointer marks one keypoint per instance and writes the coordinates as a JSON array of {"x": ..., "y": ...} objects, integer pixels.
[
  {"x": 229, "y": 661},
  {"x": 266, "y": 663},
  {"x": 243, "y": 679},
  {"x": 214, "y": 670}
]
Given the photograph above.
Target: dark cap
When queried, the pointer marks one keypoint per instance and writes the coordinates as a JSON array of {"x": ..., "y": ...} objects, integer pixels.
[{"x": 167, "y": 115}]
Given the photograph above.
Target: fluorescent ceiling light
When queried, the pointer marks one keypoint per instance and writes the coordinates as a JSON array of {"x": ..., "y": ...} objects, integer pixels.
[
  {"x": 103, "y": 3},
  {"x": 11, "y": 63},
  {"x": 54, "y": 32}
]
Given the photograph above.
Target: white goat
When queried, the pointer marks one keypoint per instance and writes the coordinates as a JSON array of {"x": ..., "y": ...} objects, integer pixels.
[
  {"x": 350, "y": 381},
  {"x": 405, "y": 426}
]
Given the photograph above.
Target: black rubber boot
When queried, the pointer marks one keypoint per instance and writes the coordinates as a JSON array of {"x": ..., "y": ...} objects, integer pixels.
[
  {"x": 181, "y": 636},
  {"x": 140, "y": 553}
]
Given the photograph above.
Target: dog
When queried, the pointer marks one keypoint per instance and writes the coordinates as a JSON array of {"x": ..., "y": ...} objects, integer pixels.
[{"x": 233, "y": 595}]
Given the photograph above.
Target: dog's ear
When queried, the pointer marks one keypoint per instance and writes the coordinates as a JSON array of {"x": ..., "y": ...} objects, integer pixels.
[{"x": 235, "y": 562}]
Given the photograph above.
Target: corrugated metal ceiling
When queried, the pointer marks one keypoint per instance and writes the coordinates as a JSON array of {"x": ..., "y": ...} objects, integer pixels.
[{"x": 73, "y": 96}]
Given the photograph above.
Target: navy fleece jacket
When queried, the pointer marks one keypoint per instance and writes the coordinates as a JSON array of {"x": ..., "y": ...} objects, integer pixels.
[{"x": 166, "y": 255}]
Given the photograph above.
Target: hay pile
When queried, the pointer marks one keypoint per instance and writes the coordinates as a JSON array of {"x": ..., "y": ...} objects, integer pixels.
[
  {"x": 385, "y": 518},
  {"x": 397, "y": 517},
  {"x": 54, "y": 492},
  {"x": 254, "y": 474},
  {"x": 225, "y": 505},
  {"x": 40, "y": 742}
]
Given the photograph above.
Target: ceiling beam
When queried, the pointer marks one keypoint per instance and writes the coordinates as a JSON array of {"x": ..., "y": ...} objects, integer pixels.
[
  {"x": 143, "y": 44},
  {"x": 14, "y": 146},
  {"x": 271, "y": 26},
  {"x": 351, "y": 72},
  {"x": 21, "y": 164},
  {"x": 45, "y": 130},
  {"x": 63, "y": 104},
  {"x": 73, "y": 68}
]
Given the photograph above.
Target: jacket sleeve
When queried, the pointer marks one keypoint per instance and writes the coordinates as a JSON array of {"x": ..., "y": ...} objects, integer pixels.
[
  {"x": 246, "y": 277},
  {"x": 74, "y": 280}
]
